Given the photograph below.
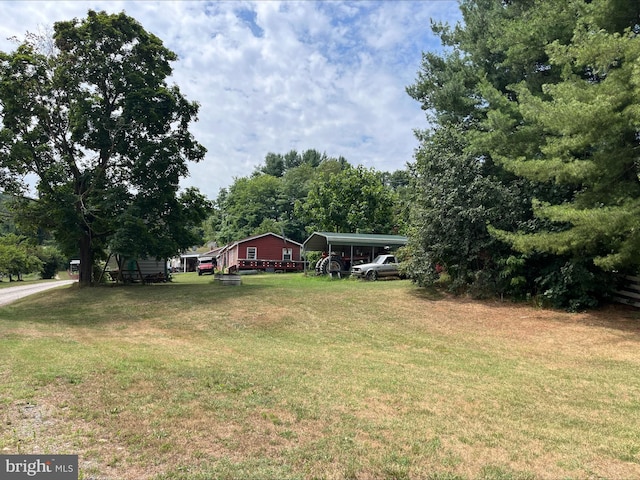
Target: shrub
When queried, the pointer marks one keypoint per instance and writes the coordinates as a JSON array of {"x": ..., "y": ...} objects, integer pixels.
[{"x": 52, "y": 261}]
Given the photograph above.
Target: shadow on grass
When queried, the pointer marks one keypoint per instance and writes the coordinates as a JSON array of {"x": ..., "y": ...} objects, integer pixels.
[
  {"x": 431, "y": 294},
  {"x": 623, "y": 318},
  {"x": 109, "y": 304}
]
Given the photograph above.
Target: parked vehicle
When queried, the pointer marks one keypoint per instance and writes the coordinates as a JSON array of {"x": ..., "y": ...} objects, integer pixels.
[
  {"x": 206, "y": 265},
  {"x": 382, "y": 266}
]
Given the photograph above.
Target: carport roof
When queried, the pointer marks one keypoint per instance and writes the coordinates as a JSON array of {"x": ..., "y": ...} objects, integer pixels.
[{"x": 320, "y": 241}]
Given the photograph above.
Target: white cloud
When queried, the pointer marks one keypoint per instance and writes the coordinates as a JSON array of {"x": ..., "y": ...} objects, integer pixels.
[{"x": 272, "y": 76}]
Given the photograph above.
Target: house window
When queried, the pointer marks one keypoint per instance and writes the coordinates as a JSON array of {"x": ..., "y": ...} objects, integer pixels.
[
  {"x": 287, "y": 254},
  {"x": 252, "y": 253}
]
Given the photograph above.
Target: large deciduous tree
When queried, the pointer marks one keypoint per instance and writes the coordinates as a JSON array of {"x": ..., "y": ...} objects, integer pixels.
[
  {"x": 456, "y": 195},
  {"x": 94, "y": 119},
  {"x": 18, "y": 256},
  {"x": 270, "y": 199},
  {"x": 352, "y": 200},
  {"x": 247, "y": 206}
]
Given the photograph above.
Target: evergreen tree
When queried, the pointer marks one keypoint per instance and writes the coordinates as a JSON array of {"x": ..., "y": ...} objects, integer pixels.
[
  {"x": 543, "y": 96},
  {"x": 590, "y": 121}
]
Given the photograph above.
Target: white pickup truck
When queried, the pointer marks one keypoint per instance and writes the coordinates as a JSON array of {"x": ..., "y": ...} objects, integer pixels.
[{"x": 382, "y": 266}]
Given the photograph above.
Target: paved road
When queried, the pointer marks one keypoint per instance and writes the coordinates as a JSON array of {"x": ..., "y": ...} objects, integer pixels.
[{"x": 11, "y": 294}]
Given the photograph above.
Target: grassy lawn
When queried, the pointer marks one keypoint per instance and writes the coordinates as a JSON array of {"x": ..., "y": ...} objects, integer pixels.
[{"x": 300, "y": 377}]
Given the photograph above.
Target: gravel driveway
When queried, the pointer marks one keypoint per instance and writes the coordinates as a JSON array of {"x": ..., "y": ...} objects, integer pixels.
[{"x": 11, "y": 294}]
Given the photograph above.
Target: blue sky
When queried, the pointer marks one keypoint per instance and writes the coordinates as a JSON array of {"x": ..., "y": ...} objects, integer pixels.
[{"x": 272, "y": 76}]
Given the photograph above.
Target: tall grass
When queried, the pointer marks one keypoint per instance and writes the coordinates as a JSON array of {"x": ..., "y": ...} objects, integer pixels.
[{"x": 289, "y": 376}]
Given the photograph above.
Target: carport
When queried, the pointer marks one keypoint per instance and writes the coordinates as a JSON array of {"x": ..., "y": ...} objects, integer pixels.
[{"x": 370, "y": 243}]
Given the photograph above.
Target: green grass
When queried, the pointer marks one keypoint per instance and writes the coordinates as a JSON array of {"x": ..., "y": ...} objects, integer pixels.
[{"x": 301, "y": 377}]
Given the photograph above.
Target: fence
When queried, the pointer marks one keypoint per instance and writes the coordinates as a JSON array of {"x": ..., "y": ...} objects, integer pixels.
[{"x": 629, "y": 293}]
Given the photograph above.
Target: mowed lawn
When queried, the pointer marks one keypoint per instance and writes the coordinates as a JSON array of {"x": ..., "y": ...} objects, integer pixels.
[{"x": 288, "y": 377}]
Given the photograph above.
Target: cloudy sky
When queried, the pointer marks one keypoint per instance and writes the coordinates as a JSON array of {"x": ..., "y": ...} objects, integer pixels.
[{"x": 272, "y": 76}]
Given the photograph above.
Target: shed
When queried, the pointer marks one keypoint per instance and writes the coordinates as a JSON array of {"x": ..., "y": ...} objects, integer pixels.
[
  {"x": 74, "y": 269},
  {"x": 145, "y": 270}
]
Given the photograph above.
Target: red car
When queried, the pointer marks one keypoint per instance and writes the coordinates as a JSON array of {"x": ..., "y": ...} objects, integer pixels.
[{"x": 206, "y": 265}]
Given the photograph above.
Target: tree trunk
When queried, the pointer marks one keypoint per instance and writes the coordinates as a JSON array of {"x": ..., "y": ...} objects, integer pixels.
[{"x": 85, "y": 277}]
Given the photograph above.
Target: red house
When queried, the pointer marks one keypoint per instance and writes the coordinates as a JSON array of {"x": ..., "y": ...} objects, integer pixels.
[{"x": 268, "y": 252}]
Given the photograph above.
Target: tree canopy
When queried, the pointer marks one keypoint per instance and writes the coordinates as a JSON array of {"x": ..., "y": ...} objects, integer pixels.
[
  {"x": 18, "y": 256},
  {"x": 591, "y": 121},
  {"x": 94, "y": 119},
  {"x": 543, "y": 96},
  {"x": 352, "y": 200},
  {"x": 298, "y": 192}
]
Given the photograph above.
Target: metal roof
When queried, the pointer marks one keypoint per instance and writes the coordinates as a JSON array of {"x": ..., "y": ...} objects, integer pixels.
[
  {"x": 248, "y": 239},
  {"x": 320, "y": 241}
]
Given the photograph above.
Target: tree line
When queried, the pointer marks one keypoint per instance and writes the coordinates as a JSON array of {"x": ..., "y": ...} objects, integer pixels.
[
  {"x": 525, "y": 182},
  {"x": 24, "y": 251},
  {"x": 297, "y": 193}
]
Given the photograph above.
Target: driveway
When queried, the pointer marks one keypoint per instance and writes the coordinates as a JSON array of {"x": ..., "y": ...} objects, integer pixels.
[{"x": 11, "y": 294}]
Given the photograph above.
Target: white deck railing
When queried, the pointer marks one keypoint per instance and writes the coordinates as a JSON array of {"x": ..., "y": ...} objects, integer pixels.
[{"x": 629, "y": 293}]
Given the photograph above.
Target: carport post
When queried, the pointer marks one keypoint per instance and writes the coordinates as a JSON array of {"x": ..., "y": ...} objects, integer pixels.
[{"x": 351, "y": 260}]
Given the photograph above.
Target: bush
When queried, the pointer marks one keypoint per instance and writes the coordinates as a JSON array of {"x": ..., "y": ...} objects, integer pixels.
[
  {"x": 312, "y": 258},
  {"x": 573, "y": 285},
  {"x": 52, "y": 261}
]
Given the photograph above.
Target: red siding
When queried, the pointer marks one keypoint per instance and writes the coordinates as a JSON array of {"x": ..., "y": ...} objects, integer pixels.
[{"x": 268, "y": 248}]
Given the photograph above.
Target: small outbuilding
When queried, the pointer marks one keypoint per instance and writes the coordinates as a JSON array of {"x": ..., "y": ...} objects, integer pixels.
[{"x": 131, "y": 270}]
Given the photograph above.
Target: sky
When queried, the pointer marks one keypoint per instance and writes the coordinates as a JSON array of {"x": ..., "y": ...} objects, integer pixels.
[{"x": 272, "y": 76}]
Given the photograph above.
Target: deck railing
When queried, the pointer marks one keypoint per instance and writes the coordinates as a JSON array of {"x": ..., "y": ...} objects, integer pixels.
[
  {"x": 629, "y": 292},
  {"x": 286, "y": 265}
]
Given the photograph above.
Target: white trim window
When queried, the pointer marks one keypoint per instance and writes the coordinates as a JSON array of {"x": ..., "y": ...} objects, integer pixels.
[
  {"x": 287, "y": 254},
  {"x": 252, "y": 253}
]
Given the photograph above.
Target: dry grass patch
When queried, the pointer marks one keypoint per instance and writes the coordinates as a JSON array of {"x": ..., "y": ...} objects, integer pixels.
[{"x": 294, "y": 377}]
